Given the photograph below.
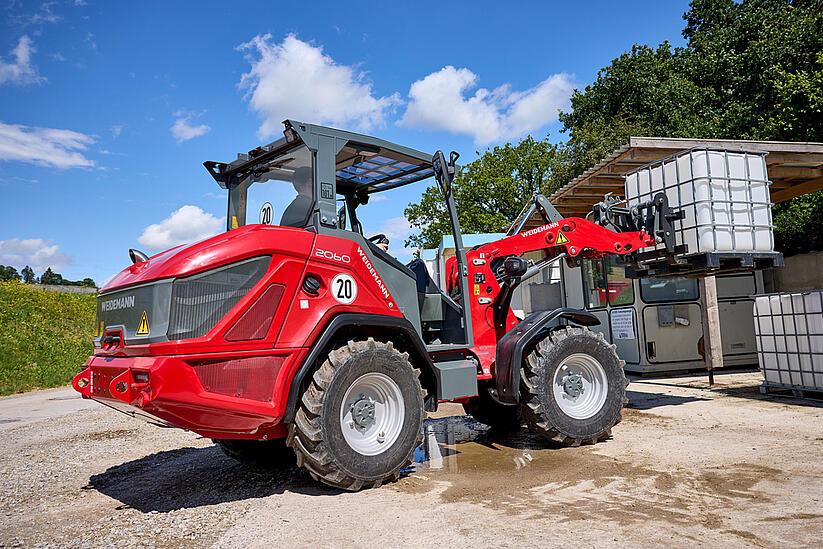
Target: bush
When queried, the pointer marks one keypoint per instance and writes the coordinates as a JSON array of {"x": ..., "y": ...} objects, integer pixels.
[
  {"x": 797, "y": 224},
  {"x": 44, "y": 336}
]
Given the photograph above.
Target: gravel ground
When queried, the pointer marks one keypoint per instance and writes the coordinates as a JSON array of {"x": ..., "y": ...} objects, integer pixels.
[{"x": 723, "y": 467}]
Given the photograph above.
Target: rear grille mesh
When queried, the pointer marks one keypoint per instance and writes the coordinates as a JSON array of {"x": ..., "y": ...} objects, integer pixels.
[
  {"x": 255, "y": 322},
  {"x": 252, "y": 378},
  {"x": 199, "y": 302}
]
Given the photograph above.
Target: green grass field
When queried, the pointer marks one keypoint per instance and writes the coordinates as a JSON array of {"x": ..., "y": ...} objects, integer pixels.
[{"x": 44, "y": 336}]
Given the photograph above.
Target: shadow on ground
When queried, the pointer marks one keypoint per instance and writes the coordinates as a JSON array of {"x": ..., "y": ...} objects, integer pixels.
[
  {"x": 195, "y": 477},
  {"x": 649, "y": 401},
  {"x": 776, "y": 395}
]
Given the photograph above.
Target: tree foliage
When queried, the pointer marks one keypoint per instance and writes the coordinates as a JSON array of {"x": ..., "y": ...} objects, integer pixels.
[
  {"x": 751, "y": 69},
  {"x": 28, "y": 275},
  {"x": 9, "y": 274},
  {"x": 489, "y": 192}
]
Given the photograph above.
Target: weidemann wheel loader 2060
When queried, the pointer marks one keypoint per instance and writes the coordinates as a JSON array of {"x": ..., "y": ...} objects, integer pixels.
[{"x": 307, "y": 338}]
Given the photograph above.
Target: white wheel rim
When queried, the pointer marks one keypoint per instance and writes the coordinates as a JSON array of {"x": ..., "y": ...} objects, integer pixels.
[
  {"x": 580, "y": 386},
  {"x": 372, "y": 414}
]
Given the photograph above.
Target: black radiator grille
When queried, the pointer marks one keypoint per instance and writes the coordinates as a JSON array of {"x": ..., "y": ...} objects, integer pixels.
[{"x": 200, "y": 301}]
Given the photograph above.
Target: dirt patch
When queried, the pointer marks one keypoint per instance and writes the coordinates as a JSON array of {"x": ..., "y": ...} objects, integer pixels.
[
  {"x": 522, "y": 475},
  {"x": 107, "y": 435},
  {"x": 631, "y": 415},
  {"x": 793, "y": 516}
]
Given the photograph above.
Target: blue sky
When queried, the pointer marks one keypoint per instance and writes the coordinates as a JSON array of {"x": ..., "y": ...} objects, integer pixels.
[{"x": 108, "y": 109}]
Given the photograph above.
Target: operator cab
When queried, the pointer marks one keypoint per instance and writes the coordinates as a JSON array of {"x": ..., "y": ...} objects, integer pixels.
[{"x": 319, "y": 179}]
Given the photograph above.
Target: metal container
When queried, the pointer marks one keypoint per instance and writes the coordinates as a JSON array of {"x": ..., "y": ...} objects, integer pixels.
[
  {"x": 789, "y": 331},
  {"x": 723, "y": 194}
]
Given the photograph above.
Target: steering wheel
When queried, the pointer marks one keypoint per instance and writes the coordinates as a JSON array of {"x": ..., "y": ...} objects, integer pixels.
[{"x": 378, "y": 238}]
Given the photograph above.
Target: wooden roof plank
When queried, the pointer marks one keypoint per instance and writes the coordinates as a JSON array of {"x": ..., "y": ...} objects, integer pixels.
[
  {"x": 798, "y": 190},
  {"x": 788, "y": 162}
]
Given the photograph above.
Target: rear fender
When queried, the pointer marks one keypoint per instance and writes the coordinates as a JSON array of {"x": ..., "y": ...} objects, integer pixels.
[
  {"x": 512, "y": 347},
  {"x": 348, "y": 326}
]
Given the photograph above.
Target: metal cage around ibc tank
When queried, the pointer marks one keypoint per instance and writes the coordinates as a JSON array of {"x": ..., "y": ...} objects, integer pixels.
[
  {"x": 724, "y": 197},
  {"x": 789, "y": 332}
]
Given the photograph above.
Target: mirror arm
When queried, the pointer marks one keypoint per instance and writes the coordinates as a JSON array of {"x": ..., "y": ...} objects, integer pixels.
[{"x": 351, "y": 205}]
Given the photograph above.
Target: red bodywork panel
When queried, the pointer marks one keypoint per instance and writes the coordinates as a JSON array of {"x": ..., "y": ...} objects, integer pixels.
[{"x": 176, "y": 381}]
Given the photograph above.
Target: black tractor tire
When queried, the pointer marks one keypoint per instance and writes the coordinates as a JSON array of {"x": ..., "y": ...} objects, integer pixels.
[
  {"x": 316, "y": 434},
  {"x": 261, "y": 453},
  {"x": 538, "y": 406},
  {"x": 488, "y": 411}
]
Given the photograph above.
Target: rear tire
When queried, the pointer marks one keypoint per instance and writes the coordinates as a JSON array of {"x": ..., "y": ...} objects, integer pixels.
[
  {"x": 572, "y": 387},
  {"x": 263, "y": 453},
  {"x": 488, "y": 411},
  {"x": 360, "y": 418}
]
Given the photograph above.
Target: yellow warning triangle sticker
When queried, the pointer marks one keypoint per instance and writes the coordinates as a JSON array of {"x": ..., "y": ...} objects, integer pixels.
[
  {"x": 561, "y": 238},
  {"x": 143, "y": 328}
]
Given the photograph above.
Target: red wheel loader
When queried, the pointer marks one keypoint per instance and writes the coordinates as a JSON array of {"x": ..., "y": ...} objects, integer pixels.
[{"x": 300, "y": 337}]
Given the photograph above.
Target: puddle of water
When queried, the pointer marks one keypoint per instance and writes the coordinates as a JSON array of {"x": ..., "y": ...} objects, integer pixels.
[{"x": 520, "y": 473}]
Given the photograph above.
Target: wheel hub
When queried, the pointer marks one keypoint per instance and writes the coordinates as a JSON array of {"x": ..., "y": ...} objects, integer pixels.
[
  {"x": 580, "y": 386},
  {"x": 573, "y": 385},
  {"x": 362, "y": 412}
]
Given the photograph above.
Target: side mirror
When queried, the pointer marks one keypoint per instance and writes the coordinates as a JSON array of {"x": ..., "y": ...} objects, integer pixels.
[
  {"x": 341, "y": 218},
  {"x": 441, "y": 172}
]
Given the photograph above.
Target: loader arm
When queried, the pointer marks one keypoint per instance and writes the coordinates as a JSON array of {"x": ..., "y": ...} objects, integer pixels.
[{"x": 496, "y": 269}]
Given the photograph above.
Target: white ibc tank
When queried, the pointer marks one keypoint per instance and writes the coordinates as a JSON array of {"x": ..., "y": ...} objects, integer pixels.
[
  {"x": 789, "y": 331},
  {"x": 724, "y": 194}
]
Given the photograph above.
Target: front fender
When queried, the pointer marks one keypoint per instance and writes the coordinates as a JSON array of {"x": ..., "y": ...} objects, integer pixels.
[{"x": 512, "y": 346}]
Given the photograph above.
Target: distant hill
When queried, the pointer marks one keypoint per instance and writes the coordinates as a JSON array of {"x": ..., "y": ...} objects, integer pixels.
[{"x": 44, "y": 336}]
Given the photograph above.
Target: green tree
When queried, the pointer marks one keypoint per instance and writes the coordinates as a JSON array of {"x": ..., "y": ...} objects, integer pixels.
[
  {"x": 51, "y": 278},
  {"x": 8, "y": 274},
  {"x": 87, "y": 283},
  {"x": 489, "y": 192},
  {"x": 28, "y": 275}
]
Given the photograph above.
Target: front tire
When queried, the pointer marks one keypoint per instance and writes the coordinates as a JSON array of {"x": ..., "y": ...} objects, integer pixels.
[
  {"x": 572, "y": 387},
  {"x": 360, "y": 418}
]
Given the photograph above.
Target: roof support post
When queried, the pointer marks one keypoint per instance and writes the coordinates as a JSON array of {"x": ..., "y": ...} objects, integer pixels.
[{"x": 712, "y": 343}]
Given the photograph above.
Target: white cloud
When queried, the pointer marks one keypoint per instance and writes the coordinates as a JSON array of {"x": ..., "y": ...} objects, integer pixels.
[
  {"x": 183, "y": 129},
  {"x": 45, "y": 15},
  {"x": 188, "y": 224},
  {"x": 20, "y": 71},
  {"x": 295, "y": 79},
  {"x": 44, "y": 146},
  {"x": 34, "y": 252},
  {"x": 397, "y": 230},
  {"x": 440, "y": 102},
  {"x": 116, "y": 130}
]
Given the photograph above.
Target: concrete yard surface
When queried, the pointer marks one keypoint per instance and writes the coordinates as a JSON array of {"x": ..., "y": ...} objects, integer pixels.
[{"x": 689, "y": 465}]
